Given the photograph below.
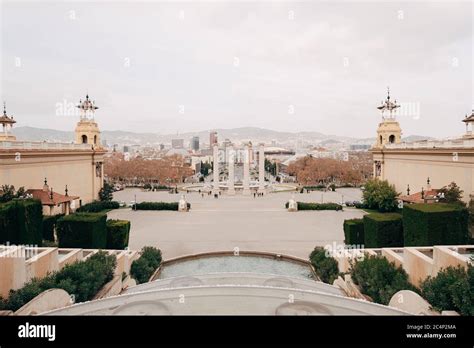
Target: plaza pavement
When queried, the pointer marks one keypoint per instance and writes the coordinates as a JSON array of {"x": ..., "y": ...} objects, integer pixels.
[{"x": 228, "y": 222}]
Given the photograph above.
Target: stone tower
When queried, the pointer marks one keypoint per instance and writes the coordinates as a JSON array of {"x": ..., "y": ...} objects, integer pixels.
[
  {"x": 389, "y": 131},
  {"x": 87, "y": 130},
  {"x": 7, "y": 124}
]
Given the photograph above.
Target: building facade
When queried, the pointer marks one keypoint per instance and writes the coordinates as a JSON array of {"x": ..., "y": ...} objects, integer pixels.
[
  {"x": 419, "y": 165},
  {"x": 77, "y": 166}
]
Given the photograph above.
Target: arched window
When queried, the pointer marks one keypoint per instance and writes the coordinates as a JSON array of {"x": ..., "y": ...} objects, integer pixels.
[
  {"x": 95, "y": 139},
  {"x": 391, "y": 139},
  {"x": 84, "y": 139},
  {"x": 380, "y": 139}
]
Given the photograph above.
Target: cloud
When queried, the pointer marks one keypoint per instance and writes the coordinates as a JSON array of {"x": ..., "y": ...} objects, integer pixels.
[{"x": 232, "y": 64}]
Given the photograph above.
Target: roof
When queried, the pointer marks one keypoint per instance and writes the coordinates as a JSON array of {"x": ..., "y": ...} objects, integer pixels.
[
  {"x": 469, "y": 118},
  {"x": 416, "y": 197},
  {"x": 45, "y": 197}
]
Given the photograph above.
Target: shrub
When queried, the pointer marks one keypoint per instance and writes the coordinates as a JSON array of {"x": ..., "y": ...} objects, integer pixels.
[
  {"x": 106, "y": 193},
  {"x": 49, "y": 226},
  {"x": 354, "y": 232},
  {"x": 317, "y": 206},
  {"x": 383, "y": 230},
  {"x": 118, "y": 232},
  {"x": 360, "y": 205},
  {"x": 158, "y": 206},
  {"x": 98, "y": 206},
  {"x": 326, "y": 268},
  {"x": 451, "y": 289},
  {"x": 21, "y": 222},
  {"x": 142, "y": 269},
  {"x": 82, "y": 230},
  {"x": 435, "y": 224},
  {"x": 379, "y": 278},
  {"x": 83, "y": 279},
  {"x": 380, "y": 195},
  {"x": 452, "y": 194}
]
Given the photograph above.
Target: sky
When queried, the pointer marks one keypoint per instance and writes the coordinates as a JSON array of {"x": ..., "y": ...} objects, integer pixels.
[{"x": 174, "y": 66}]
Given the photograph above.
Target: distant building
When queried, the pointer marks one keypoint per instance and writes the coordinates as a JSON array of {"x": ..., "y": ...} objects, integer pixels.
[
  {"x": 162, "y": 147},
  {"x": 177, "y": 143},
  {"x": 212, "y": 139},
  {"x": 195, "y": 143},
  {"x": 360, "y": 147}
]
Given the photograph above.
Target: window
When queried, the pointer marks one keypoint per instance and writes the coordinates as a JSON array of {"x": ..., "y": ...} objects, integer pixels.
[
  {"x": 391, "y": 139},
  {"x": 84, "y": 139}
]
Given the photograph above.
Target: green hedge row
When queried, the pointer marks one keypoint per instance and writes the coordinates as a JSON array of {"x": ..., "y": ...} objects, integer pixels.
[
  {"x": 435, "y": 224},
  {"x": 316, "y": 206},
  {"x": 98, "y": 206},
  {"x": 383, "y": 230},
  {"x": 83, "y": 279},
  {"x": 118, "y": 232},
  {"x": 82, "y": 230},
  {"x": 49, "y": 226},
  {"x": 354, "y": 232},
  {"x": 143, "y": 268},
  {"x": 158, "y": 206},
  {"x": 21, "y": 222}
]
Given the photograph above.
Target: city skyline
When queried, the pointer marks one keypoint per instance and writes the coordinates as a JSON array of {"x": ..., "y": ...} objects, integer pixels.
[{"x": 168, "y": 67}]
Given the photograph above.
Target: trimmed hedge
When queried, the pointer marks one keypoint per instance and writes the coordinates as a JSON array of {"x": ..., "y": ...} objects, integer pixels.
[
  {"x": 451, "y": 289},
  {"x": 316, "y": 206},
  {"x": 98, "y": 206},
  {"x": 82, "y": 230},
  {"x": 354, "y": 232},
  {"x": 326, "y": 268},
  {"x": 144, "y": 267},
  {"x": 435, "y": 224},
  {"x": 21, "y": 222},
  {"x": 118, "y": 232},
  {"x": 49, "y": 225},
  {"x": 83, "y": 279},
  {"x": 158, "y": 206},
  {"x": 379, "y": 278},
  {"x": 383, "y": 230}
]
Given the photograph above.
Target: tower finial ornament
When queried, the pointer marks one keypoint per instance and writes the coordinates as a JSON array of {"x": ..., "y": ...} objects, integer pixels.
[{"x": 388, "y": 106}]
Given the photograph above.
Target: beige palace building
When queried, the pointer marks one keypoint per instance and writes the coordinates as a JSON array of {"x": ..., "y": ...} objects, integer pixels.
[
  {"x": 75, "y": 167},
  {"x": 418, "y": 166}
]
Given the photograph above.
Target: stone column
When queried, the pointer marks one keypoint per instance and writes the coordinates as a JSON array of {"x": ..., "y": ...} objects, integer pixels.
[
  {"x": 246, "y": 182},
  {"x": 261, "y": 169},
  {"x": 215, "y": 169},
  {"x": 230, "y": 182}
]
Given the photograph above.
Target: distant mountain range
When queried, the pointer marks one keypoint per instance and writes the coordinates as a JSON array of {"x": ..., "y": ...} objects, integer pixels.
[{"x": 234, "y": 134}]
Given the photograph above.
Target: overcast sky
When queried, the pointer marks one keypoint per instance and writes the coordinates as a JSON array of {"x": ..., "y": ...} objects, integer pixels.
[{"x": 169, "y": 67}]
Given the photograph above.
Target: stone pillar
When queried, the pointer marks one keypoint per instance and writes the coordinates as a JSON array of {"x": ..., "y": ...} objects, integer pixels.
[
  {"x": 246, "y": 182},
  {"x": 230, "y": 182},
  {"x": 215, "y": 169},
  {"x": 261, "y": 169}
]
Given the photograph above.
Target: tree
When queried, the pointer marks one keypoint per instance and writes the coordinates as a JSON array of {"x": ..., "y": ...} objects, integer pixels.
[
  {"x": 452, "y": 194},
  {"x": 380, "y": 195},
  {"x": 205, "y": 167},
  {"x": 311, "y": 171},
  {"x": 106, "y": 192},
  {"x": 7, "y": 193}
]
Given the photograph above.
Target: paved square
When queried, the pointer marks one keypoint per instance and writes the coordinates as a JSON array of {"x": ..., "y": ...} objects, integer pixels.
[{"x": 227, "y": 222}]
